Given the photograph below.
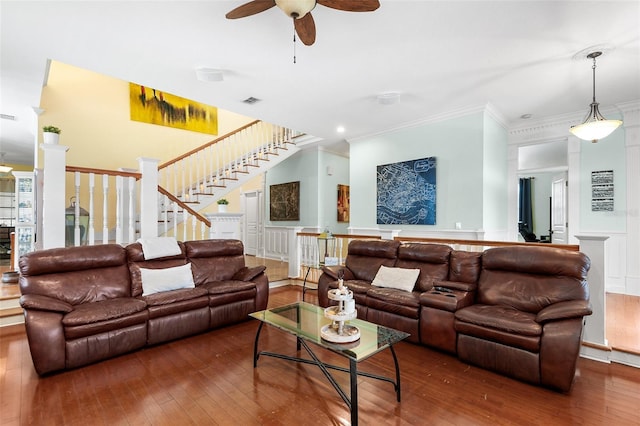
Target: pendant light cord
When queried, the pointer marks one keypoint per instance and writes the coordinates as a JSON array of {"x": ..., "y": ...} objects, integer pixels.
[{"x": 294, "y": 40}]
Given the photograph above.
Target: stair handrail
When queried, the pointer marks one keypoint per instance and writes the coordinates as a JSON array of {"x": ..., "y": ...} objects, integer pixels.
[
  {"x": 184, "y": 206},
  {"x": 206, "y": 145},
  {"x": 72, "y": 169}
]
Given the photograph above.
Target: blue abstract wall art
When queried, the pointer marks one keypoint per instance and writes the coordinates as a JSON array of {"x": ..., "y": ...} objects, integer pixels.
[{"x": 406, "y": 193}]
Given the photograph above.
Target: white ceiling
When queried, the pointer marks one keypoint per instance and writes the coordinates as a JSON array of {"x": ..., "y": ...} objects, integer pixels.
[{"x": 441, "y": 56}]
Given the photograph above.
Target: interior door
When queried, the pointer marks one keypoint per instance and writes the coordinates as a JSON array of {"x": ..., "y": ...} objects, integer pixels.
[
  {"x": 559, "y": 209},
  {"x": 252, "y": 222}
]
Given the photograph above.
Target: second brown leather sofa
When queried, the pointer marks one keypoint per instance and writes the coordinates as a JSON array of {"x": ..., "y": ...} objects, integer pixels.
[{"x": 515, "y": 310}]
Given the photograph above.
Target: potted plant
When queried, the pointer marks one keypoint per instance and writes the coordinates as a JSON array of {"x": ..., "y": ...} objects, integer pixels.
[
  {"x": 51, "y": 134},
  {"x": 222, "y": 205}
]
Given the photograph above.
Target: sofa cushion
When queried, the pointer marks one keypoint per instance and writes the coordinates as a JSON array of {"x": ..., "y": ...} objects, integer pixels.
[
  {"x": 431, "y": 259},
  {"x": 364, "y": 257},
  {"x": 159, "y": 280},
  {"x": 531, "y": 278},
  {"x": 404, "y": 303},
  {"x": 398, "y": 278},
  {"x": 174, "y": 296},
  {"x": 464, "y": 266},
  {"x": 103, "y": 310},
  {"x": 76, "y": 275},
  {"x": 502, "y": 318}
]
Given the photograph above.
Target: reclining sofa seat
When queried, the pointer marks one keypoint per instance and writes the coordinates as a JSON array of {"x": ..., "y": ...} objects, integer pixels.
[
  {"x": 528, "y": 317},
  {"x": 401, "y": 309},
  {"x": 234, "y": 289},
  {"x": 174, "y": 313},
  {"x": 364, "y": 258},
  {"x": 78, "y": 307}
]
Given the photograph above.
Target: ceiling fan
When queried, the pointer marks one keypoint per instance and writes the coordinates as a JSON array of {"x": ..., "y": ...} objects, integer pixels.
[{"x": 300, "y": 11}]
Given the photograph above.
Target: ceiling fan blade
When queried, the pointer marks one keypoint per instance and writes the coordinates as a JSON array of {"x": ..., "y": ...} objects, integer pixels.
[
  {"x": 351, "y": 5},
  {"x": 306, "y": 29},
  {"x": 251, "y": 8}
]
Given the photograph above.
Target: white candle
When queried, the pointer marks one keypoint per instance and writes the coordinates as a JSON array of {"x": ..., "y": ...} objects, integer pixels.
[{"x": 350, "y": 306}]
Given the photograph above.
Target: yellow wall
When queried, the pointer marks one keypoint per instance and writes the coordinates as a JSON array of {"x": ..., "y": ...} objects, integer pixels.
[{"x": 92, "y": 110}]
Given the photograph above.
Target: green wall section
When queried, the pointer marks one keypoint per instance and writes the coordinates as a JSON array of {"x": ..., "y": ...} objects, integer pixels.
[
  {"x": 318, "y": 189},
  {"x": 460, "y": 145}
]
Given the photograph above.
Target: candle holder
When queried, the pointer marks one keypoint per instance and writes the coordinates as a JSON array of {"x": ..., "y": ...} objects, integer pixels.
[{"x": 338, "y": 331}]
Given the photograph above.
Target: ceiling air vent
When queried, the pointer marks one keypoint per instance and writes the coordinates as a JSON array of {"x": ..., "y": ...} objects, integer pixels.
[
  {"x": 251, "y": 100},
  {"x": 8, "y": 117}
]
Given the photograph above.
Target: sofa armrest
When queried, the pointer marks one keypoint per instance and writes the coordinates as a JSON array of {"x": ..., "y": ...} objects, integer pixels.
[
  {"x": 455, "y": 285},
  {"x": 44, "y": 303},
  {"x": 564, "y": 310},
  {"x": 332, "y": 271},
  {"x": 247, "y": 274}
]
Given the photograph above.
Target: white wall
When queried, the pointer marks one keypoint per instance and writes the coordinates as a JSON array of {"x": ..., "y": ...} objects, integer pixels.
[{"x": 494, "y": 179}]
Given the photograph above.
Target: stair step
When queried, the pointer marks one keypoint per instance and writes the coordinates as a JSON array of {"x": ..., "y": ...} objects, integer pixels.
[
  {"x": 229, "y": 178},
  {"x": 9, "y": 312},
  {"x": 203, "y": 193},
  {"x": 216, "y": 186}
]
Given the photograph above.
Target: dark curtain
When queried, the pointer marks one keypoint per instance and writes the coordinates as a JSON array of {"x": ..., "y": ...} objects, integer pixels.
[{"x": 525, "y": 210}]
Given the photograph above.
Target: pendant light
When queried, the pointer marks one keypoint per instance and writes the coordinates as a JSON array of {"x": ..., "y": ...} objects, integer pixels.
[{"x": 595, "y": 126}]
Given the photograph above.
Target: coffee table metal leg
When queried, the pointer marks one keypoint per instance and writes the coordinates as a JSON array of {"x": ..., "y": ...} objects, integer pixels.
[
  {"x": 353, "y": 373},
  {"x": 304, "y": 283},
  {"x": 255, "y": 346},
  {"x": 397, "y": 383}
]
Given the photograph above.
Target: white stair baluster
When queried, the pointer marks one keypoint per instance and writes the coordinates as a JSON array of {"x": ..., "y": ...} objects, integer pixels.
[
  {"x": 105, "y": 202},
  {"x": 119, "y": 185},
  {"x": 92, "y": 224},
  {"x": 76, "y": 213},
  {"x": 132, "y": 210}
]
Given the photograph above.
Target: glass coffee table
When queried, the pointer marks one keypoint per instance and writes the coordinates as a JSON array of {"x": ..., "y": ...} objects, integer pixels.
[{"x": 304, "y": 321}]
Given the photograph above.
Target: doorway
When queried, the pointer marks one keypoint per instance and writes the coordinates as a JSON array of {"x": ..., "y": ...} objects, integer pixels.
[{"x": 253, "y": 223}]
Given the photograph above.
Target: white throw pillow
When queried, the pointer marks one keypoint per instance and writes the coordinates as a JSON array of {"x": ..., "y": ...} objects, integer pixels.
[
  {"x": 154, "y": 248},
  {"x": 157, "y": 280},
  {"x": 399, "y": 278}
]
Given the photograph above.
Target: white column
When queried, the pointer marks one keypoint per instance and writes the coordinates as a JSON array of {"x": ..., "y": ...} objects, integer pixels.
[
  {"x": 148, "y": 197},
  {"x": 573, "y": 195},
  {"x": 632, "y": 154},
  {"x": 295, "y": 251},
  {"x": 595, "y": 324},
  {"x": 53, "y": 195}
]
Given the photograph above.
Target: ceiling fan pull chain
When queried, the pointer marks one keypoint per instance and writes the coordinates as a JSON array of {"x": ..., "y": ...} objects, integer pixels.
[{"x": 294, "y": 40}]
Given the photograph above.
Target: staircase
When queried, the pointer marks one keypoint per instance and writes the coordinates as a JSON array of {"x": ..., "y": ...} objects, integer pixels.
[{"x": 202, "y": 176}]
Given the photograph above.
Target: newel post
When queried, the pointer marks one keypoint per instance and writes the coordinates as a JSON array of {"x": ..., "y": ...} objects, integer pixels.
[
  {"x": 53, "y": 195},
  {"x": 148, "y": 197}
]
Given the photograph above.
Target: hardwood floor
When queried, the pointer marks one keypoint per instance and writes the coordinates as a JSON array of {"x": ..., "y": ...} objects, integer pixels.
[{"x": 209, "y": 379}]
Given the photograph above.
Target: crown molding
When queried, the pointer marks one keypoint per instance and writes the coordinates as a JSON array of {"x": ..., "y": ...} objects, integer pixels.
[{"x": 438, "y": 118}]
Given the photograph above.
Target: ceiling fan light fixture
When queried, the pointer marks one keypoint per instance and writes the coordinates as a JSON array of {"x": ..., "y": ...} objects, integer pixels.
[
  {"x": 296, "y": 8},
  {"x": 594, "y": 126}
]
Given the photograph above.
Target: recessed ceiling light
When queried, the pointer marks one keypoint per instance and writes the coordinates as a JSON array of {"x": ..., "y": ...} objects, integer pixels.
[
  {"x": 340, "y": 129},
  {"x": 209, "y": 74}
]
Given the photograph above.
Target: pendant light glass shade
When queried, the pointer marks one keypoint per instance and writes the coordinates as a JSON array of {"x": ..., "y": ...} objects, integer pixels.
[{"x": 595, "y": 126}]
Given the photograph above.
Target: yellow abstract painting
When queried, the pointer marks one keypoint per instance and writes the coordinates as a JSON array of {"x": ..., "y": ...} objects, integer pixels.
[{"x": 156, "y": 107}]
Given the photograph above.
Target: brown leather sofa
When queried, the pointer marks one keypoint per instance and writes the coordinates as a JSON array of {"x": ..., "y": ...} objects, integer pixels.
[
  {"x": 514, "y": 310},
  {"x": 86, "y": 304}
]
